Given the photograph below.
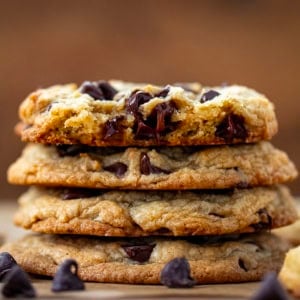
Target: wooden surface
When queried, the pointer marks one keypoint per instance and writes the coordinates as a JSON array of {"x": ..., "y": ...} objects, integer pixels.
[{"x": 123, "y": 291}]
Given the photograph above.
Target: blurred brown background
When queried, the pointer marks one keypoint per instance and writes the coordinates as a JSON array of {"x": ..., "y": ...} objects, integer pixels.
[{"x": 254, "y": 43}]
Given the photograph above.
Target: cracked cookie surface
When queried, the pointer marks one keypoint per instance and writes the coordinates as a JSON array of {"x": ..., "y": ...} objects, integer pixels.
[
  {"x": 146, "y": 115},
  {"x": 227, "y": 259},
  {"x": 214, "y": 167},
  {"x": 133, "y": 213}
]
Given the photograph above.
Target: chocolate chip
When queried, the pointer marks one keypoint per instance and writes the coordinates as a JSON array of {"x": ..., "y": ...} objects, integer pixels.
[
  {"x": 17, "y": 284},
  {"x": 147, "y": 168},
  {"x": 158, "y": 122},
  {"x": 231, "y": 127},
  {"x": 242, "y": 264},
  {"x": 113, "y": 127},
  {"x": 65, "y": 279},
  {"x": 77, "y": 193},
  {"x": 162, "y": 113},
  {"x": 144, "y": 131},
  {"x": 270, "y": 289},
  {"x": 163, "y": 93},
  {"x": 70, "y": 150},
  {"x": 118, "y": 168},
  {"x": 6, "y": 264},
  {"x": 107, "y": 89},
  {"x": 266, "y": 221},
  {"x": 136, "y": 99},
  {"x": 92, "y": 89},
  {"x": 140, "y": 253},
  {"x": 177, "y": 274},
  {"x": 209, "y": 95}
]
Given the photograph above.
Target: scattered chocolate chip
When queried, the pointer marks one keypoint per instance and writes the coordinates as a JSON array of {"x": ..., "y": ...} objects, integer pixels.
[
  {"x": 177, "y": 274},
  {"x": 266, "y": 221},
  {"x": 17, "y": 284},
  {"x": 163, "y": 93},
  {"x": 77, "y": 193},
  {"x": 147, "y": 168},
  {"x": 65, "y": 279},
  {"x": 107, "y": 89},
  {"x": 118, "y": 168},
  {"x": 242, "y": 264},
  {"x": 140, "y": 253},
  {"x": 136, "y": 99},
  {"x": 209, "y": 95},
  {"x": 6, "y": 264},
  {"x": 70, "y": 150},
  {"x": 231, "y": 127},
  {"x": 113, "y": 127},
  {"x": 92, "y": 89},
  {"x": 270, "y": 289}
]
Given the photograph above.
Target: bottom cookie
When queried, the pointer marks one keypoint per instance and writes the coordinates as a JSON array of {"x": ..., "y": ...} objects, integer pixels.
[{"x": 232, "y": 258}]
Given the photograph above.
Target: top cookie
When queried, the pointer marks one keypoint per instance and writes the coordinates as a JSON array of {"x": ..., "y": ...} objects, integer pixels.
[{"x": 115, "y": 113}]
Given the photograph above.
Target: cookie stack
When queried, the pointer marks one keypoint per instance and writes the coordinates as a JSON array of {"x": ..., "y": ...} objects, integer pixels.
[{"x": 126, "y": 177}]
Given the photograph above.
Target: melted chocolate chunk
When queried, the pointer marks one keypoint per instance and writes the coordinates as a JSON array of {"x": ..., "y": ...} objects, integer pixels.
[
  {"x": 242, "y": 264},
  {"x": 231, "y": 127},
  {"x": 147, "y": 168},
  {"x": 7, "y": 262},
  {"x": 163, "y": 93},
  {"x": 135, "y": 100},
  {"x": 209, "y": 95},
  {"x": 270, "y": 289},
  {"x": 77, "y": 193},
  {"x": 140, "y": 253},
  {"x": 144, "y": 131},
  {"x": 17, "y": 284},
  {"x": 161, "y": 115},
  {"x": 101, "y": 90},
  {"x": 71, "y": 150},
  {"x": 118, "y": 168},
  {"x": 113, "y": 127},
  {"x": 92, "y": 89},
  {"x": 177, "y": 274},
  {"x": 158, "y": 122},
  {"x": 65, "y": 279},
  {"x": 266, "y": 221},
  {"x": 107, "y": 89}
]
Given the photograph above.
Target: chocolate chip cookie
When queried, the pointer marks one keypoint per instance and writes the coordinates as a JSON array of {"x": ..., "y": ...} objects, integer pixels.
[
  {"x": 290, "y": 272},
  {"x": 212, "y": 260},
  {"x": 213, "y": 167},
  {"x": 125, "y": 213},
  {"x": 122, "y": 114}
]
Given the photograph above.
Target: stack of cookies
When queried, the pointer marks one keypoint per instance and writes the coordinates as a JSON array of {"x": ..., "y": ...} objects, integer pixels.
[{"x": 127, "y": 177}]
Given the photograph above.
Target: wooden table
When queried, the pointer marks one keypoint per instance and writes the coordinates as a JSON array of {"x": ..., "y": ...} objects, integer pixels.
[{"x": 124, "y": 291}]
